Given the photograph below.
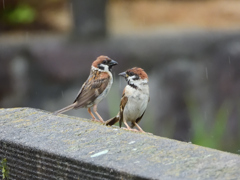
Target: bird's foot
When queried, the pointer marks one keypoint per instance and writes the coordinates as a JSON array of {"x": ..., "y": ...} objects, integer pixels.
[
  {"x": 129, "y": 129},
  {"x": 96, "y": 120}
]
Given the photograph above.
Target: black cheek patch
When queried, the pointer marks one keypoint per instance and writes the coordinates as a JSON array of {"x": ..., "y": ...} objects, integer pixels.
[{"x": 100, "y": 67}]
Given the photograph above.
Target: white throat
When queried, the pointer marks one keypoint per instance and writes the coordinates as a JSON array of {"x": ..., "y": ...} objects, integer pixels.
[
  {"x": 138, "y": 83},
  {"x": 106, "y": 68}
]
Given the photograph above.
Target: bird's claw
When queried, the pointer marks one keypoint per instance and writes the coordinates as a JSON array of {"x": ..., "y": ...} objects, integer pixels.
[{"x": 131, "y": 129}]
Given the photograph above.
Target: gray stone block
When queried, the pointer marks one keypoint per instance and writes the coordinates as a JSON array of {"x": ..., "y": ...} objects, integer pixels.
[{"x": 40, "y": 145}]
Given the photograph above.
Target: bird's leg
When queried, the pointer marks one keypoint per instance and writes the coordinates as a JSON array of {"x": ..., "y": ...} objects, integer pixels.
[
  {"x": 128, "y": 128},
  {"x": 140, "y": 129},
  {"x": 95, "y": 111},
  {"x": 90, "y": 112}
]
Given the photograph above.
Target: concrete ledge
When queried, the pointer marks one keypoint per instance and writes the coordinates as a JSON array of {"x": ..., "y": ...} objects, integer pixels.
[{"x": 39, "y": 145}]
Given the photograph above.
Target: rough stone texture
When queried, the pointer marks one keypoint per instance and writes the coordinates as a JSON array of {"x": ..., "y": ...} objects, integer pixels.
[{"x": 40, "y": 145}]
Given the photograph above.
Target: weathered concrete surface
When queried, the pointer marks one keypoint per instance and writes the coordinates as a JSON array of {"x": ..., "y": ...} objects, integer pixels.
[{"x": 40, "y": 145}]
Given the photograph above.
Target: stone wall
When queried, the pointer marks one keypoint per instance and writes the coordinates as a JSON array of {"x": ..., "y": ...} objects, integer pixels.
[{"x": 40, "y": 145}]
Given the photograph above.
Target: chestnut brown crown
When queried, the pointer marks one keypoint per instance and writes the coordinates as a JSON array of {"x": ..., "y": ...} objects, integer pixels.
[
  {"x": 137, "y": 71},
  {"x": 100, "y": 60}
]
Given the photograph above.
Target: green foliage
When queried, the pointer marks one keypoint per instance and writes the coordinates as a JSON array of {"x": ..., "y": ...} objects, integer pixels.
[
  {"x": 22, "y": 14},
  {"x": 205, "y": 133},
  {"x": 5, "y": 169}
]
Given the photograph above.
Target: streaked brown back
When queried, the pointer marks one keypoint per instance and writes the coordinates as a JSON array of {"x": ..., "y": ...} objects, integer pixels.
[{"x": 92, "y": 88}]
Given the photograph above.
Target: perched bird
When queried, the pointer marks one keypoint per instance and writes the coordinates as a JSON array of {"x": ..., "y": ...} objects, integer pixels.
[
  {"x": 134, "y": 100},
  {"x": 95, "y": 88}
]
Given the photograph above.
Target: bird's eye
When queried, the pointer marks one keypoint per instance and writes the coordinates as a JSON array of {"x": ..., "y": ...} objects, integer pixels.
[
  {"x": 130, "y": 74},
  {"x": 104, "y": 62}
]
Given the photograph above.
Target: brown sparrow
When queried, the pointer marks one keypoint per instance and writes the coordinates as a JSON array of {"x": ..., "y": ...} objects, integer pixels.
[
  {"x": 95, "y": 88},
  {"x": 134, "y": 100}
]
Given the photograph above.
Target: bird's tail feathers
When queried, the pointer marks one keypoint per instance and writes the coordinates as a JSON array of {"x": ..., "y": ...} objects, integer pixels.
[
  {"x": 112, "y": 121},
  {"x": 120, "y": 122},
  {"x": 67, "y": 108}
]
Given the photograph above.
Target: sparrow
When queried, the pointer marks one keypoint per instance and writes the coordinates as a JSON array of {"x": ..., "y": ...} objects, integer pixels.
[
  {"x": 95, "y": 88},
  {"x": 134, "y": 99}
]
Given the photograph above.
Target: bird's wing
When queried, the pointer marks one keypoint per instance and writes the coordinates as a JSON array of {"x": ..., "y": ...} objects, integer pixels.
[
  {"x": 123, "y": 103},
  {"x": 92, "y": 88}
]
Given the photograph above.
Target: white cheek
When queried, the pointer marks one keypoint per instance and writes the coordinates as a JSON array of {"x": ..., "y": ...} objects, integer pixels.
[
  {"x": 140, "y": 82},
  {"x": 130, "y": 79},
  {"x": 105, "y": 67},
  {"x": 135, "y": 82}
]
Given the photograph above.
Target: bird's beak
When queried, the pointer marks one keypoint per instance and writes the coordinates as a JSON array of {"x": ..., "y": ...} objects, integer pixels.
[
  {"x": 123, "y": 74},
  {"x": 113, "y": 63}
]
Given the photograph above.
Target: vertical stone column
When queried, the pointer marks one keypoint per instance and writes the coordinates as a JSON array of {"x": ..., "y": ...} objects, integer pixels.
[{"x": 89, "y": 19}]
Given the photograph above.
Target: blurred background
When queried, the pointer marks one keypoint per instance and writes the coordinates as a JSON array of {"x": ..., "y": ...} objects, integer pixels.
[{"x": 189, "y": 48}]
